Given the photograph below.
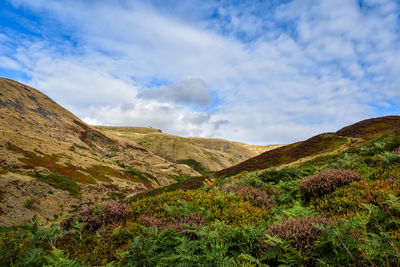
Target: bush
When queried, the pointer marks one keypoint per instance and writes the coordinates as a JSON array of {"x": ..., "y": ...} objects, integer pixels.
[
  {"x": 325, "y": 182},
  {"x": 213, "y": 205},
  {"x": 352, "y": 199},
  {"x": 195, "y": 220},
  {"x": 93, "y": 217},
  {"x": 275, "y": 176},
  {"x": 301, "y": 232},
  {"x": 257, "y": 197},
  {"x": 30, "y": 202}
]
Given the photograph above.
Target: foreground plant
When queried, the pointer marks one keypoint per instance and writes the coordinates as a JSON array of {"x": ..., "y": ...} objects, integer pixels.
[{"x": 325, "y": 182}]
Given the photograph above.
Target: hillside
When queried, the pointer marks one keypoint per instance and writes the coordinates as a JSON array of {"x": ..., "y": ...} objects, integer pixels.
[
  {"x": 339, "y": 208},
  {"x": 202, "y": 154},
  {"x": 51, "y": 157},
  {"x": 350, "y": 136}
]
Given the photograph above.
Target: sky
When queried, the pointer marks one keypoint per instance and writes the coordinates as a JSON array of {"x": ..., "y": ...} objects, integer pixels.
[{"x": 261, "y": 72}]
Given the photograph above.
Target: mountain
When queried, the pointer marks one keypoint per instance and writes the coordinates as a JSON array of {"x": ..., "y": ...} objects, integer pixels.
[
  {"x": 202, "y": 154},
  {"x": 350, "y": 136},
  {"x": 50, "y": 156}
]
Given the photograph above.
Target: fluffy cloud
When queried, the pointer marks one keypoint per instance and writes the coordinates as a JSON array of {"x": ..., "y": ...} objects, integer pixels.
[
  {"x": 189, "y": 91},
  {"x": 167, "y": 117},
  {"x": 278, "y": 72}
]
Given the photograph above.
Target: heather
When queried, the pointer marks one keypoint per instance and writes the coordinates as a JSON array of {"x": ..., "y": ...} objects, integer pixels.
[
  {"x": 93, "y": 217},
  {"x": 257, "y": 197},
  {"x": 339, "y": 209},
  {"x": 301, "y": 232},
  {"x": 325, "y": 182}
]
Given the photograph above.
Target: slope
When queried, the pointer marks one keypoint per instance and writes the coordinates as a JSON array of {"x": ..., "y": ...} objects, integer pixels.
[
  {"x": 341, "y": 209},
  {"x": 46, "y": 152},
  {"x": 349, "y": 136},
  {"x": 202, "y": 154}
]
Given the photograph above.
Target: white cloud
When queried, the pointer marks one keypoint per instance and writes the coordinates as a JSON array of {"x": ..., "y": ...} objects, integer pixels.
[
  {"x": 8, "y": 63},
  {"x": 189, "y": 91},
  {"x": 336, "y": 62},
  {"x": 166, "y": 117}
]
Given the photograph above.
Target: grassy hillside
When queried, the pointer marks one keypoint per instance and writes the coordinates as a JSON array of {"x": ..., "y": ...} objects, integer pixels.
[
  {"x": 336, "y": 209},
  {"x": 347, "y": 137},
  {"x": 202, "y": 154},
  {"x": 50, "y": 157}
]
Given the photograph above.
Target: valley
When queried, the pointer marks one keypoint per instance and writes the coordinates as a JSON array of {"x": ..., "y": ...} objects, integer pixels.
[{"x": 72, "y": 194}]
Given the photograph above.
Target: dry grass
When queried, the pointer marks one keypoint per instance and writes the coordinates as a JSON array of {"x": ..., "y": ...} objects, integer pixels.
[{"x": 202, "y": 154}]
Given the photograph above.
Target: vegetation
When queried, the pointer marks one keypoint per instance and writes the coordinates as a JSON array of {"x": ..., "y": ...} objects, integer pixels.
[
  {"x": 195, "y": 165},
  {"x": 144, "y": 177},
  {"x": 319, "y": 144},
  {"x": 29, "y": 203},
  {"x": 60, "y": 182},
  {"x": 325, "y": 182},
  {"x": 332, "y": 210},
  {"x": 3, "y": 171}
]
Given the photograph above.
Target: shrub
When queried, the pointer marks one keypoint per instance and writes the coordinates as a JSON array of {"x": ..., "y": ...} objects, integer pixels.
[
  {"x": 195, "y": 220},
  {"x": 325, "y": 182},
  {"x": 257, "y": 197},
  {"x": 301, "y": 232},
  {"x": 350, "y": 200},
  {"x": 30, "y": 202},
  {"x": 213, "y": 205},
  {"x": 94, "y": 217},
  {"x": 275, "y": 176}
]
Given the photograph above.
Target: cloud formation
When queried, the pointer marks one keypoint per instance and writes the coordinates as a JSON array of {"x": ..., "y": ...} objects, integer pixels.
[
  {"x": 191, "y": 91},
  {"x": 266, "y": 72}
]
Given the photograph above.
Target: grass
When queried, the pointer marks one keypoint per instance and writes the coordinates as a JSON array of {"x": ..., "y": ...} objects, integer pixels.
[
  {"x": 189, "y": 184},
  {"x": 31, "y": 159},
  {"x": 2, "y": 196},
  {"x": 195, "y": 165},
  {"x": 319, "y": 144},
  {"x": 129, "y": 129},
  {"x": 144, "y": 177},
  {"x": 83, "y": 175},
  {"x": 60, "y": 182},
  {"x": 3, "y": 171},
  {"x": 74, "y": 146},
  {"x": 100, "y": 172}
]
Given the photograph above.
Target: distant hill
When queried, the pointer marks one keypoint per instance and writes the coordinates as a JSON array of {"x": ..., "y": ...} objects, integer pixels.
[
  {"x": 202, "y": 154},
  {"x": 347, "y": 137},
  {"x": 49, "y": 155}
]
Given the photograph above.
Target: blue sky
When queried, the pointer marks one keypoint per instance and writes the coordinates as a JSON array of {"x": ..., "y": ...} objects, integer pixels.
[{"x": 255, "y": 71}]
